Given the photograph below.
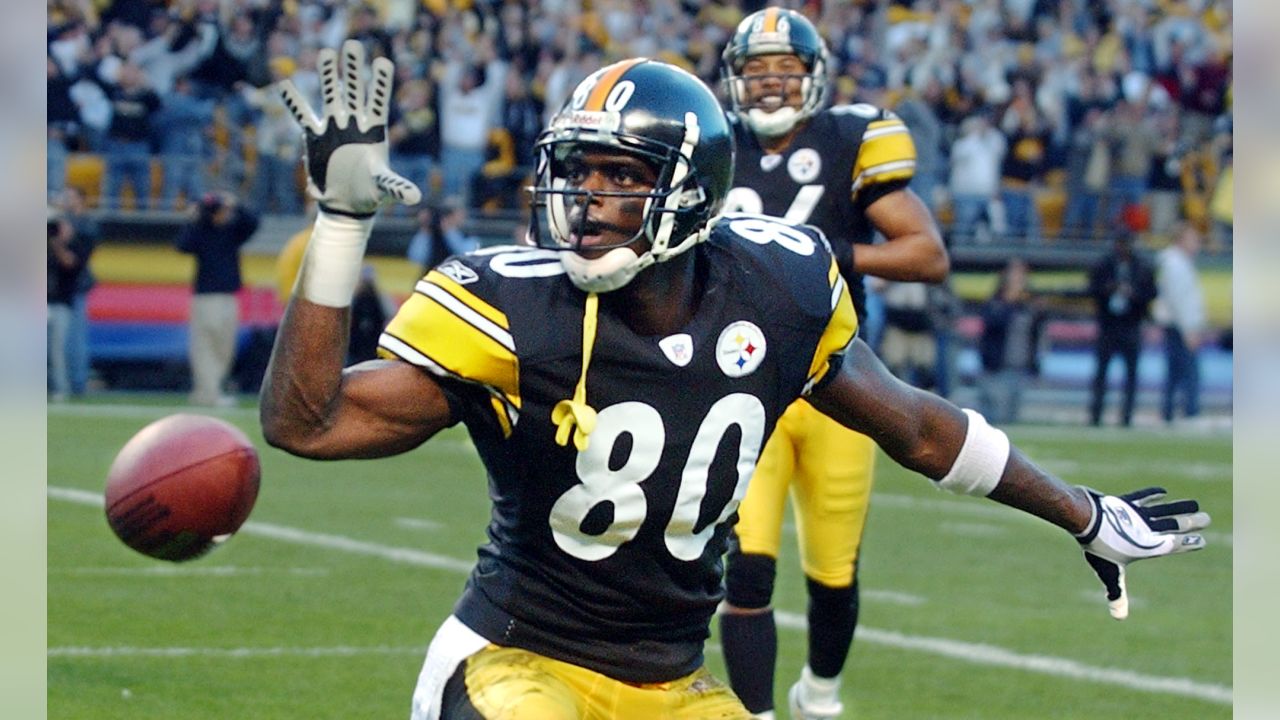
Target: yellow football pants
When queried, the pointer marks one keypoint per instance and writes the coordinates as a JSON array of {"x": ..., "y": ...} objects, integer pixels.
[
  {"x": 827, "y": 469},
  {"x": 510, "y": 683}
]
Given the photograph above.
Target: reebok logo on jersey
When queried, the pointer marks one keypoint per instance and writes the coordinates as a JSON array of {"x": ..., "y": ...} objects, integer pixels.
[
  {"x": 769, "y": 162},
  {"x": 460, "y": 273},
  {"x": 678, "y": 348},
  {"x": 740, "y": 349}
]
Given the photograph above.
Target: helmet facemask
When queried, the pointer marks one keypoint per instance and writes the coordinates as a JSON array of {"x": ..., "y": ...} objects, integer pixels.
[
  {"x": 674, "y": 208},
  {"x": 793, "y": 36}
]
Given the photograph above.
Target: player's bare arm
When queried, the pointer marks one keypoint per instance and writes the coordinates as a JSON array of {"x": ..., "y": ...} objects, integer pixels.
[
  {"x": 960, "y": 451},
  {"x": 913, "y": 249},
  {"x": 313, "y": 407},
  {"x": 924, "y": 433}
]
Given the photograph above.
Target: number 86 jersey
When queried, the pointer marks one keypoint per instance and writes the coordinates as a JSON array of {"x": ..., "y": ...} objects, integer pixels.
[{"x": 610, "y": 557}]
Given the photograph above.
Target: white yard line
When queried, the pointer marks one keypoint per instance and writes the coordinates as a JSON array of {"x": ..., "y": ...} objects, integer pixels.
[
  {"x": 418, "y": 523},
  {"x": 186, "y": 571},
  {"x": 241, "y": 652},
  {"x": 982, "y": 654},
  {"x": 975, "y": 653}
]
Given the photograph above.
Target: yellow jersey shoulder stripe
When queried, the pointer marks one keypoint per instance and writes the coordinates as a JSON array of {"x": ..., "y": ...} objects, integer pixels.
[
  {"x": 887, "y": 153},
  {"x": 505, "y": 409},
  {"x": 494, "y": 315},
  {"x": 841, "y": 329},
  {"x": 472, "y": 310},
  {"x": 453, "y": 333}
]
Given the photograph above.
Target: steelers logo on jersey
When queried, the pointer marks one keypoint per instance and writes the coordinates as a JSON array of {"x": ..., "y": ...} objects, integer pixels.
[
  {"x": 804, "y": 165},
  {"x": 740, "y": 349}
]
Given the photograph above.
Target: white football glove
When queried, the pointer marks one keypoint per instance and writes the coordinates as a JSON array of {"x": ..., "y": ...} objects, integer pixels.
[
  {"x": 1130, "y": 527},
  {"x": 346, "y": 148}
]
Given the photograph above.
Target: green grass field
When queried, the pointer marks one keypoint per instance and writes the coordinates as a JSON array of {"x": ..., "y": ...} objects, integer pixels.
[{"x": 322, "y": 606}]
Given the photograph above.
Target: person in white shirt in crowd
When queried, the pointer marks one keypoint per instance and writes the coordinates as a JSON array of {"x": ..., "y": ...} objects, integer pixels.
[
  {"x": 976, "y": 159},
  {"x": 470, "y": 98},
  {"x": 1180, "y": 309}
]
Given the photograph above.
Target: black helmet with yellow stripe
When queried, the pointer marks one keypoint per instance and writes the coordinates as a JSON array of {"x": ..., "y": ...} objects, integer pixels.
[{"x": 671, "y": 120}]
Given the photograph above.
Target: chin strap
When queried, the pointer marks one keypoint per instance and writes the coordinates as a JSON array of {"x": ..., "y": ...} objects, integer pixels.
[{"x": 576, "y": 415}]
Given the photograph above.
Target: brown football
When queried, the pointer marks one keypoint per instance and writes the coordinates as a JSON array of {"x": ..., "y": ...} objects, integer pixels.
[{"x": 182, "y": 485}]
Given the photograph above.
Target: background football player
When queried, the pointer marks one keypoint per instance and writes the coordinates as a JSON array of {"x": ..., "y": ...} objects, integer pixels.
[
  {"x": 844, "y": 169},
  {"x": 599, "y": 375}
]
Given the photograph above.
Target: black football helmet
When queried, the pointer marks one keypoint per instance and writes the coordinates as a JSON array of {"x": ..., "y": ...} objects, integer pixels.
[
  {"x": 776, "y": 31},
  {"x": 671, "y": 120}
]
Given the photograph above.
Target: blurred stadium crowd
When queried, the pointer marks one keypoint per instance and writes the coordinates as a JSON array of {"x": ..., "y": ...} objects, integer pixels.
[{"x": 1032, "y": 118}]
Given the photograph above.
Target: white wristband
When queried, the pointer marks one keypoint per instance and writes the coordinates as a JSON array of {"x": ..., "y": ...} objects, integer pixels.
[
  {"x": 331, "y": 266},
  {"x": 978, "y": 467}
]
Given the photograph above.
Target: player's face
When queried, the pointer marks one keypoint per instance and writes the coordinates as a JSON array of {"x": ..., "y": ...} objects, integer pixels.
[
  {"x": 774, "y": 81},
  {"x": 601, "y": 218}
]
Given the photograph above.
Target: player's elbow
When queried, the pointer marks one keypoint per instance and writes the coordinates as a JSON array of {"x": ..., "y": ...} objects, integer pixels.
[
  {"x": 922, "y": 445},
  {"x": 936, "y": 263},
  {"x": 288, "y": 432},
  {"x": 936, "y": 267}
]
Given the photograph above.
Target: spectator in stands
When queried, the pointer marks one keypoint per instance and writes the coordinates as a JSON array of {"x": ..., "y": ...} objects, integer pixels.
[
  {"x": 440, "y": 234},
  {"x": 1024, "y": 165},
  {"x": 220, "y": 226},
  {"x": 1164, "y": 196},
  {"x": 1088, "y": 174},
  {"x": 1008, "y": 346},
  {"x": 169, "y": 49},
  {"x": 426, "y": 246},
  {"x": 454, "y": 215},
  {"x": 470, "y": 98},
  {"x": 908, "y": 346},
  {"x": 84, "y": 240},
  {"x": 279, "y": 144},
  {"x": 1134, "y": 143},
  {"x": 62, "y": 121},
  {"x": 1122, "y": 285},
  {"x": 916, "y": 108},
  {"x": 1180, "y": 309},
  {"x": 66, "y": 257},
  {"x": 369, "y": 315},
  {"x": 128, "y": 150},
  {"x": 509, "y": 161},
  {"x": 413, "y": 135},
  {"x": 181, "y": 124},
  {"x": 976, "y": 158},
  {"x": 1222, "y": 199}
]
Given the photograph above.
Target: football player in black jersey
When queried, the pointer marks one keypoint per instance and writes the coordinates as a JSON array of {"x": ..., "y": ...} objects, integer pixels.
[
  {"x": 844, "y": 169},
  {"x": 619, "y": 381}
]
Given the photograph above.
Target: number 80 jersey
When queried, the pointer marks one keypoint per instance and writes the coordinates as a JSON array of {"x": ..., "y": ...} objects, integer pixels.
[{"x": 609, "y": 557}]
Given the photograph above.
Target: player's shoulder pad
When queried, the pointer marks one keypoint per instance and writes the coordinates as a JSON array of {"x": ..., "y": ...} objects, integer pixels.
[
  {"x": 855, "y": 117},
  {"x": 786, "y": 260},
  {"x": 886, "y": 153},
  {"x": 457, "y": 323}
]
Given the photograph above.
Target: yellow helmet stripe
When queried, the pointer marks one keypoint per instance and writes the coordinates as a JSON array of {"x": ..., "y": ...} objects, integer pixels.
[
  {"x": 770, "y": 20},
  {"x": 595, "y": 101}
]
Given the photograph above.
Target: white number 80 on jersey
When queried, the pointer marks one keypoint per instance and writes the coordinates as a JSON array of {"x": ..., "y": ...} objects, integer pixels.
[{"x": 621, "y": 486}]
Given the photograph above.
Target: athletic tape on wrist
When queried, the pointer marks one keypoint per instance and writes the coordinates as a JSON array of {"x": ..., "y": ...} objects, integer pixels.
[
  {"x": 331, "y": 266},
  {"x": 978, "y": 467}
]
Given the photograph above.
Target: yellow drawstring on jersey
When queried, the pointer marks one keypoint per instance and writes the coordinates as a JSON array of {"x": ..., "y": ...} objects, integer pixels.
[{"x": 576, "y": 415}]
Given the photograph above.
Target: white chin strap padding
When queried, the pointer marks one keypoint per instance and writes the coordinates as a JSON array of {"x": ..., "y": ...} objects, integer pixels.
[
  {"x": 774, "y": 123},
  {"x": 608, "y": 272}
]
